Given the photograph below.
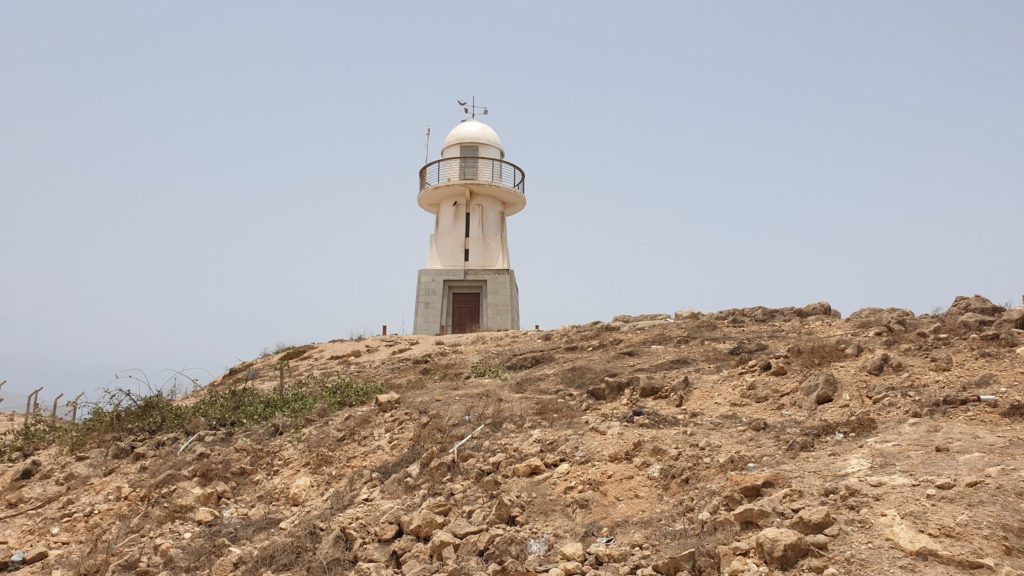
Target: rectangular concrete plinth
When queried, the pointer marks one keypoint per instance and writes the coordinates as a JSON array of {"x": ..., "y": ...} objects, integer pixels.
[{"x": 499, "y": 302}]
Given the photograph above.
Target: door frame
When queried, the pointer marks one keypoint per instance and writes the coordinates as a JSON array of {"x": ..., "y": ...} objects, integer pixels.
[{"x": 453, "y": 286}]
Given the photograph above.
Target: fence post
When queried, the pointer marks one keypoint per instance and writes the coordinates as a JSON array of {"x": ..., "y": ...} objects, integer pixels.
[
  {"x": 32, "y": 398},
  {"x": 53, "y": 412},
  {"x": 74, "y": 407}
]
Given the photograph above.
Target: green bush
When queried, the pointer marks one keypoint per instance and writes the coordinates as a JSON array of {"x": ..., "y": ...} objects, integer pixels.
[
  {"x": 126, "y": 415},
  {"x": 481, "y": 369}
]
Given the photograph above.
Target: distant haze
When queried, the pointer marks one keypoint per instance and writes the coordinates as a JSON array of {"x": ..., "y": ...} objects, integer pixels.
[{"x": 186, "y": 184}]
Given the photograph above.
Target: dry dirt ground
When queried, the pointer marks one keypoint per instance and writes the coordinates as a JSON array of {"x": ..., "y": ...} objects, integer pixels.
[{"x": 753, "y": 441}]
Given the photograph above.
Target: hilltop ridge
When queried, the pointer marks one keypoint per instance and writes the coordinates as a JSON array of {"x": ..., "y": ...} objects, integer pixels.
[{"x": 742, "y": 442}]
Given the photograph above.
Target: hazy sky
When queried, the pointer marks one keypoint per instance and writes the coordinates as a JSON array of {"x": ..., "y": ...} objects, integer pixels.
[{"x": 184, "y": 184}]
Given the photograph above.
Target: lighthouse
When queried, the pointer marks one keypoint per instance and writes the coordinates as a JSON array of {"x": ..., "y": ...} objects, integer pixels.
[{"x": 468, "y": 284}]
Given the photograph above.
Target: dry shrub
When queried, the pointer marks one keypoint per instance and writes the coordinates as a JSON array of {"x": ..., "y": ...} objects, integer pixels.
[
  {"x": 299, "y": 551},
  {"x": 583, "y": 376},
  {"x": 527, "y": 361},
  {"x": 1015, "y": 411},
  {"x": 555, "y": 410},
  {"x": 669, "y": 365},
  {"x": 818, "y": 354},
  {"x": 860, "y": 424}
]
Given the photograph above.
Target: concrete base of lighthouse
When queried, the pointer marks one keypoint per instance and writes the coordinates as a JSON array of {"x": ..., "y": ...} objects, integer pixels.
[{"x": 445, "y": 299}]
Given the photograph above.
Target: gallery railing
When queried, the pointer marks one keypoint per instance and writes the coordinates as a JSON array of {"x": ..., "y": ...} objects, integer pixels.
[{"x": 473, "y": 169}]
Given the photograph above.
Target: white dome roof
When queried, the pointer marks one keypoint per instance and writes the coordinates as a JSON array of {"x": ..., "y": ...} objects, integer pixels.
[{"x": 473, "y": 131}]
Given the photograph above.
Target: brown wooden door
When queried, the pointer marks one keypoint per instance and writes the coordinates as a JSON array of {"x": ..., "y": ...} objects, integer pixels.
[{"x": 465, "y": 312}]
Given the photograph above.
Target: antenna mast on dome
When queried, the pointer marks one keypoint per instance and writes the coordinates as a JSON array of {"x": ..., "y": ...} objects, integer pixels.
[{"x": 471, "y": 108}]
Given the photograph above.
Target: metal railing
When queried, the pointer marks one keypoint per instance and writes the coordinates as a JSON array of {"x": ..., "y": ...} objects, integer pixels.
[{"x": 473, "y": 169}]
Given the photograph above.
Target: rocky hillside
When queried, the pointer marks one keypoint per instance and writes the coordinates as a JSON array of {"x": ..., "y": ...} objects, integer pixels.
[{"x": 742, "y": 442}]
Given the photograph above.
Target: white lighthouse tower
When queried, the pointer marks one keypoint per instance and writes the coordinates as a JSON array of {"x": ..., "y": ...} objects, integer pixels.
[{"x": 468, "y": 284}]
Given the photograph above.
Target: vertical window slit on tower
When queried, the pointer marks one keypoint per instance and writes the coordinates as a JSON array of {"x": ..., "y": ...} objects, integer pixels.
[
  {"x": 467, "y": 224},
  {"x": 467, "y": 254}
]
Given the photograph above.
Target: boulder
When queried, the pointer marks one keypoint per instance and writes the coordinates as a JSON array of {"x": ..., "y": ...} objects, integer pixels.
[
  {"x": 813, "y": 520},
  {"x": 528, "y": 468},
  {"x": 421, "y": 524},
  {"x": 973, "y": 322},
  {"x": 36, "y": 555},
  {"x": 647, "y": 388},
  {"x": 1010, "y": 320},
  {"x": 876, "y": 364},
  {"x": 386, "y": 402},
  {"x": 974, "y": 305},
  {"x": 299, "y": 490},
  {"x": 572, "y": 552},
  {"x": 780, "y": 547},
  {"x": 440, "y": 541},
  {"x": 910, "y": 541},
  {"x": 820, "y": 388},
  {"x": 29, "y": 470},
  {"x": 752, "y": 514},
  {"x": 816, "y": 309},
  {"x": 460, "y": 528},
  {"x": 206, "y": 515},
  {"x": 677, "y": 564},
  {"x": 684, "y": 315},
  {"x": 501, "y": 512}
]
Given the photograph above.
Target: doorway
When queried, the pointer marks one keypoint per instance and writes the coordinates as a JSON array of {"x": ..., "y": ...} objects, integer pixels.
[
  {"x": 468, "y": 162},
  {"x": 465, "y": 312}
]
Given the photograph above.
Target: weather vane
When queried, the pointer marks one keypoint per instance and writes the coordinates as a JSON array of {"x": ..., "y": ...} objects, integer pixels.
[{"x": 471, "y": 108}]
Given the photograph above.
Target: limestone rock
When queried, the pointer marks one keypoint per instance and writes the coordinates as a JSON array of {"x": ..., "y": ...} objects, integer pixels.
[
  {"x": 371, "y": 569},
  {"x": 876, "y": 364},
  {"x": 813, "y": 520},
  {"x": 974, "y": 305},
  {"x": 573, "y": 552},
  {"x": 374, "y": 553},
  {"x": 386, "y": 402},
  {"x": 780, "y": 547},
  {"x": 501, "y": 512},
  {"x": 816, "y": 309},
  {"x": 820, "y": 388},
  {"x": 460, "y": 528},
  {"x": 208, "y": 497},
  {"x": 206, "y": 515},
  {"x": 677, "y": 564},
  {"x": 29, "y": 470},
  {"x": 752, "y": 514},
  {"x": 647, "y": 388},
  {"x": 911, "y": 541},
  {"x": 440, "y": 541},
  {"x": 1011, "y": 319},
  {"x": 36, "y": 555},
  {"x": 972, "y": 322},
  {"x": 530, "y": 467},
  {"x": 684, "y": 315},
  {"x": 299, "y": 490},
  {"x": 422, "y": 524},
  {"x": 818, "y": 541}
]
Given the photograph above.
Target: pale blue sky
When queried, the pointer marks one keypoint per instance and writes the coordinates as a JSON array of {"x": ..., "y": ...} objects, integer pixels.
[{"x": 184, "y": 184}]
